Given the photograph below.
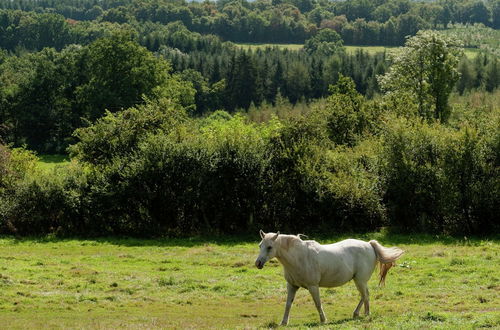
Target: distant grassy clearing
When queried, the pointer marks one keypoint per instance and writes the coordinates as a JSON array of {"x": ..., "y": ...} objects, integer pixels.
[
  {"x": 251, "y": 46},
  {"x": 201, "y": 284},
  {"x": 471, "y": 53},
  {"x": 369, "y": 49},
  {"x": 350, "y": 49},
  {"x": 47, "y": 162}
]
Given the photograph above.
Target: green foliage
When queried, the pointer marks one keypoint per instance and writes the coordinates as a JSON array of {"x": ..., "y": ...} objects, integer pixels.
[
  {"x": 15, "y": 165},
  {"x": 327, "y": 42},
  {"x": 476, "y": 36},
  {"x": 441, "y": 179},
  {"x": 153, "y": 191},
  {"x": 426, "y": 67},
  {"x": 47, "y": 95},
  {"x": 119, "y": 74},
  {"x": 118, "y": 134},
  {"x": 329, "y": 189},
  {"x": 149, "y": 170},
  {"x": 346, "y": 114},
  {"x": 146, "y": 168},
  {"x": 50, "y": 202}
]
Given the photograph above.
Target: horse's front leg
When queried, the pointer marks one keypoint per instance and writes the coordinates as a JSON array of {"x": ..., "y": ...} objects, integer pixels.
[
  {"x": 292, "y": 290},
  {"x": 314, "y": 290}
]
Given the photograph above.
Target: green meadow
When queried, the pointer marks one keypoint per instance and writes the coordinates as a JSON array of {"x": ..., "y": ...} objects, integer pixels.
[
  {"x": 212, "y": 283},
  {"x": 471, "y": 53},
  {"x": 255, "y": 46},
  {"x": 372, "y": 50},
  {"x": 48, "y": 162}
]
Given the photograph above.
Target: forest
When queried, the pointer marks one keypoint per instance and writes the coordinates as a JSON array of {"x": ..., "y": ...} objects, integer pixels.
[{"x": 173, "y": 128}]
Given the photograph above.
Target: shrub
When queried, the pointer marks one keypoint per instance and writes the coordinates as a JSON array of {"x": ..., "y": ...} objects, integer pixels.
[
  {"x": 348, "y": 117},
  {"x": 15, "y": 164},
  {"x": 441, "y": 179},
  {"x": 193, "y": 179},
  {"x": 152, "y": 171},
  {"x": 46, "y": 203},
  {"x": 313, "y": 186},
  {"x": 118, "y": 134}
]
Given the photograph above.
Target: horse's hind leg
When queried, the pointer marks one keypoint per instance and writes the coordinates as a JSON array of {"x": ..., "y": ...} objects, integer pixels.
[
  {"x": 314, "y": 290},
  {"x": 363, "y": 290},
  {"x": 356, "y": 311}
]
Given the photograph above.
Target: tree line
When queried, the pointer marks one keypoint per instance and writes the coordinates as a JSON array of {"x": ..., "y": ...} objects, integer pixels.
[
  {"x": 407, "y": 159},
  {"x": 381, "y": 22},
  {"x": 46, "y": 95}
]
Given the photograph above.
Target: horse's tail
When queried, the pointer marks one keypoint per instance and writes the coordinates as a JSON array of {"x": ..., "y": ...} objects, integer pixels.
[{"x": 386, "y": 258}]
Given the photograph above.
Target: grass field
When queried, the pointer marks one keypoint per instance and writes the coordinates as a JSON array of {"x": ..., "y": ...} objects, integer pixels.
[
  {"x": 48, "y": 162},
  {"x": 471, "y": 53},
  {"x": 252, "y": 46},
  {"x": 369, "y": 49},
  {"x": 183, "y": 283}
]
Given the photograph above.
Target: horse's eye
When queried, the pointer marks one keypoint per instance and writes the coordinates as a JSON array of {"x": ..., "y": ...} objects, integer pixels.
[{"x": 269, "y": 248}]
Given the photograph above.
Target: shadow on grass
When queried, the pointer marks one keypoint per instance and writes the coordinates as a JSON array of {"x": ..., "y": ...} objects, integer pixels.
[
  {"x": 396, "y": 238},
  {"x": 327, "y": 324},
  {"x": 385, "y": 238},
  {"x": 136, "y": 242}
]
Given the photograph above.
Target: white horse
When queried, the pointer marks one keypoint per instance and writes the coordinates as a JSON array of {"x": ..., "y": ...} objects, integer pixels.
[{"x": 311, "y": 265}]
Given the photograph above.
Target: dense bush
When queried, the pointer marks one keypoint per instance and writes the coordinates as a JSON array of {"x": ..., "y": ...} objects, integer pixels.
[
  {"x": 16, "y": 165},
  {"x": 441, "y": 179},
  {"x": 49, "y": 203},
  {"x": 151, "y": 170},
  {"x": 147, "y": 173}
]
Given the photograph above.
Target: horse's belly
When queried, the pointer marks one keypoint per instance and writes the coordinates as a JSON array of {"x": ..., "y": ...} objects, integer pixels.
[{"x": 332, "y": 279}]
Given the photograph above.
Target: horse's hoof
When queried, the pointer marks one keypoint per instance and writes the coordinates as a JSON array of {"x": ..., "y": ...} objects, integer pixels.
[
  {"x": 355, "y": 316},
  {"x": 284, "y": 323}
]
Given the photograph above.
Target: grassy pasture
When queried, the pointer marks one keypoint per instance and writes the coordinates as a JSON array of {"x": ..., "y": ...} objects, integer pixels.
[
  {"x": 372, "y": 50},
  {"x": 48, "y": 162},
  {"x": 186, "y": 283},
  {"x": 255, "y": 46},
  {"x": 471, "y": 53}
]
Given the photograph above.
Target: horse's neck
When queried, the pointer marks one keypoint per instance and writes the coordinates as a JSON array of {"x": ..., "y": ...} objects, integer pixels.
[{"x": 289, "y": 252}]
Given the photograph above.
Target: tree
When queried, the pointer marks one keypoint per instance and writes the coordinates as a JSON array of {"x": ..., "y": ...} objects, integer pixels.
[
  {"x": 119, "y": 72},
  {"x": 297, "y": 81},
  {"x": 492, "y": 79},
  {"x": 242, "y": 76},
  {"x": 467, "y": 76},
  {"x": 476, "y": 12},
  {"x": 495, "y": 13},
  {"x": 326, "y": 42},
  {"x": 408, "y": 25},
  {"x": 426, "y": 67},
  {"x": 344, "y": 112}
]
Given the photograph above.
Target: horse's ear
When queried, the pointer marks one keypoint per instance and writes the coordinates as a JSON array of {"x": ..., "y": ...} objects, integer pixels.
[
  {"x": 275, "y": 236},
  {"x": 262, "y": 234}
]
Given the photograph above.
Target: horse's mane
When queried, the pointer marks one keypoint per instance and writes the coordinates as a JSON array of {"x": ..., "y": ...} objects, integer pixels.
[{"x": 286, "y": 241}]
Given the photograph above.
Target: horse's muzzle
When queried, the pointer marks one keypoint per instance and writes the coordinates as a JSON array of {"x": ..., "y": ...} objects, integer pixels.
[{"x": 259, "y": 264}]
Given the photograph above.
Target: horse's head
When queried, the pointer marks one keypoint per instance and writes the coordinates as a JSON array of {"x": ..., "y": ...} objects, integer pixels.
[{"x": 267, "y": 248}]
